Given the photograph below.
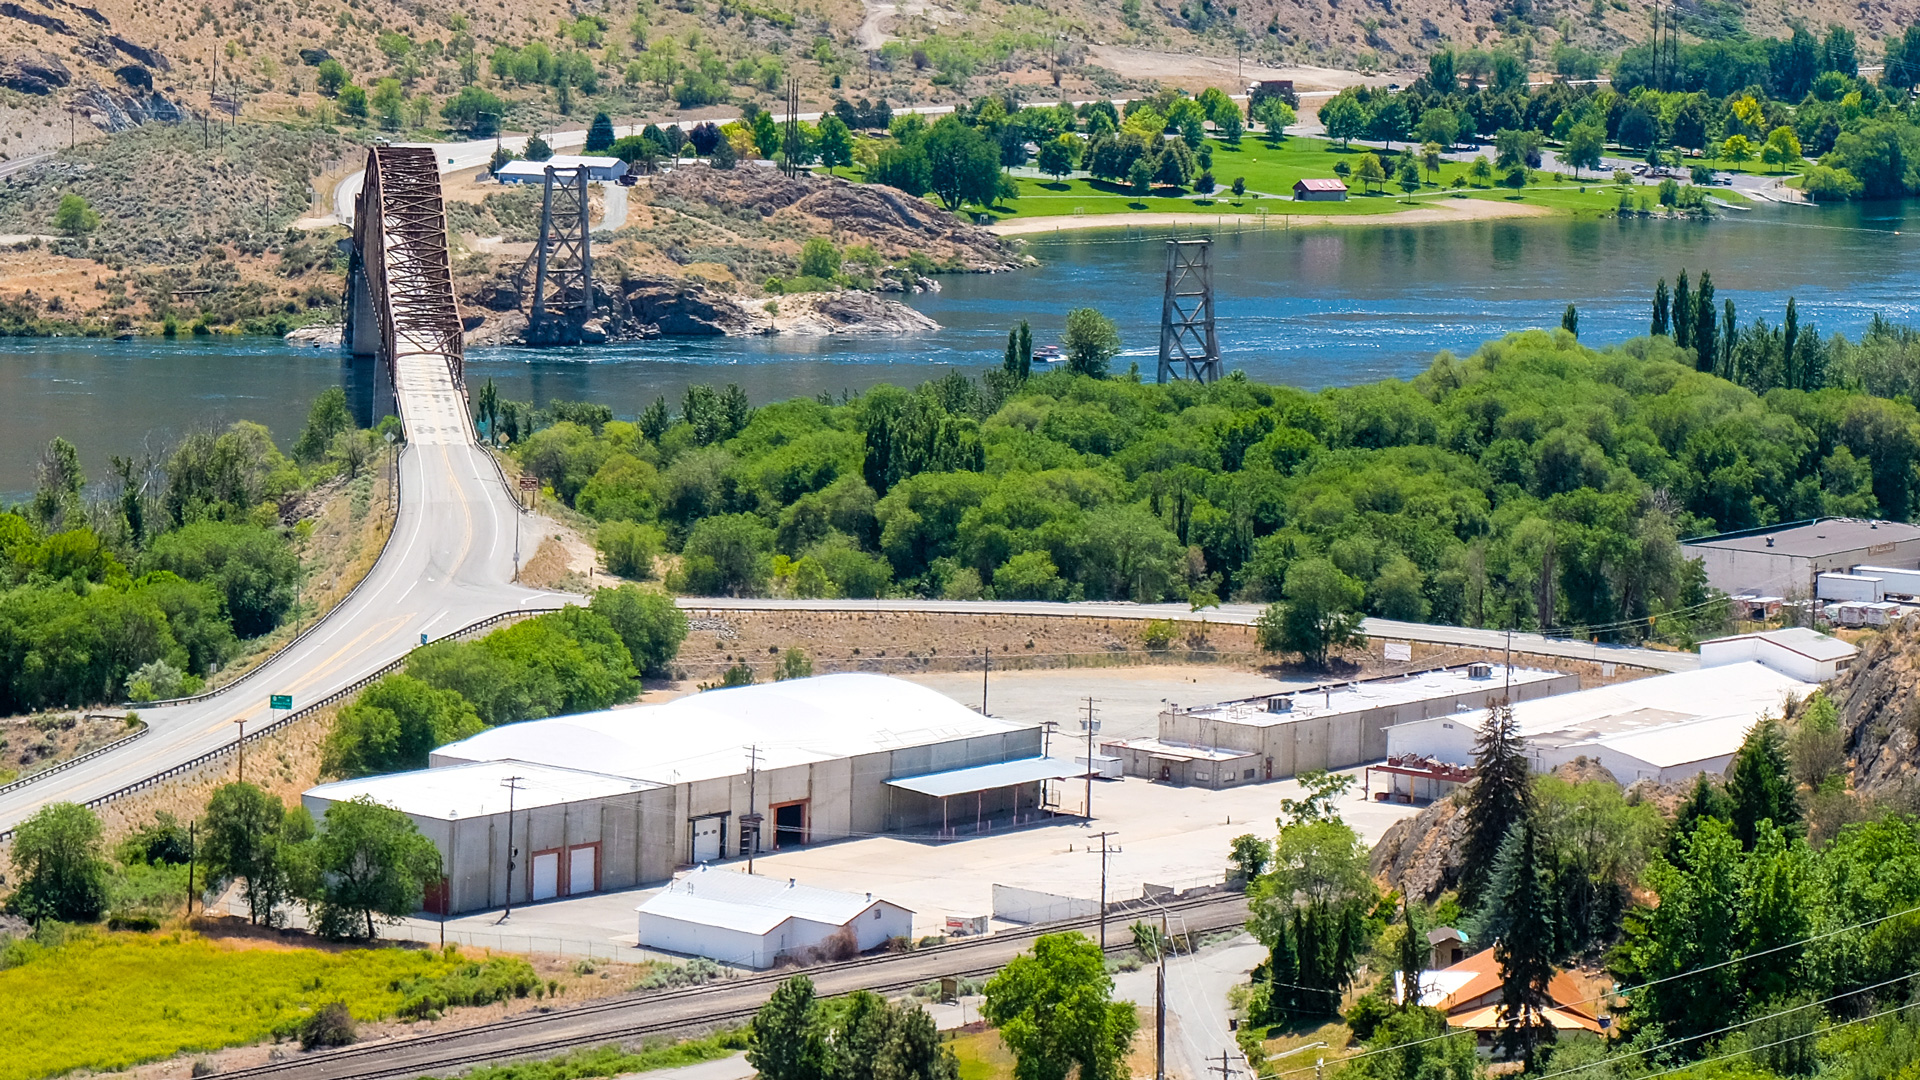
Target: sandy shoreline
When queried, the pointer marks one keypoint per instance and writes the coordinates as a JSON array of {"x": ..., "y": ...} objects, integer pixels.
[{"x": 1437, "y": 212}]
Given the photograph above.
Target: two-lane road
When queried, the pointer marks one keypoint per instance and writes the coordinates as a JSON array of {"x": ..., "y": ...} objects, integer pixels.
[{"x": 449, "y": 563}]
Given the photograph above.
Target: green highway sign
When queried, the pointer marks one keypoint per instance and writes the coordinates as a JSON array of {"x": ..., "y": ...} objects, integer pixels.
[{"x": 280, "y": 701}]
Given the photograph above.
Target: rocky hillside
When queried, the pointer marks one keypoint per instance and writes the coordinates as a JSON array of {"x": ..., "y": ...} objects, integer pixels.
[
  {"x": 708, "y": 251},
  {"x": 1879, "y": 699},
  {"x": 118, "y": 62}
]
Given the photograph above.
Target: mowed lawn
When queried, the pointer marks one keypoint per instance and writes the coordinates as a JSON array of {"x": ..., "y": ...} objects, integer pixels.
[
  {"x": 107, "y": 1001},
  {"x": 1270, "y": 170}
]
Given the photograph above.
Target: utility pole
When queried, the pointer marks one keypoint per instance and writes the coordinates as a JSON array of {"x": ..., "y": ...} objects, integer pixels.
[
  {"x": 241, "y": 746},
  {"x": 1092, "y": 726},
  {"x": 1225, "y": 1068},
  {"x": 986, "y": 661},
  {"x": 750, "y": 825},
  {"x": 512, "y": 784},
  {"x": 1105, "y": 853},
  {"x": 1160, "y": 1005},
  {"x": 190, "y": 852}
]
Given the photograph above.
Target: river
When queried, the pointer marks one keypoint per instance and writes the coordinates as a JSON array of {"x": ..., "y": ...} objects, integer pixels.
[{"x": 1312, "y": 307}]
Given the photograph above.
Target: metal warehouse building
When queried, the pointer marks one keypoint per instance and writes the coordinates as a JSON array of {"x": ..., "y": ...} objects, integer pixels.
[
  {"x": 1787, "y": 560},
  {"x": 1331, "y": 726},
  {"x": 664, "y": 786},
  {"x": 1665, "y": 728}
]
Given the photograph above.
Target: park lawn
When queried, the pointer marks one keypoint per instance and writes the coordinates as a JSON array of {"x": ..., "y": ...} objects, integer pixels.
[{"x": 106, "y": 1001}]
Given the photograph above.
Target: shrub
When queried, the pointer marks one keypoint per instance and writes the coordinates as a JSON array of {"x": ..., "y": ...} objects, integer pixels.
[
  {"x": 1158, "y": 635},
  {"x": 629, "y": 548},
  {"x": 330, "y": 1025},
  {"x": 497, "y": 978}
]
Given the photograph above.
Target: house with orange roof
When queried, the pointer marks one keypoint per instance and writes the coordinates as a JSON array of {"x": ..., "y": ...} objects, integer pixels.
[{"x": 1469, "y": 994}]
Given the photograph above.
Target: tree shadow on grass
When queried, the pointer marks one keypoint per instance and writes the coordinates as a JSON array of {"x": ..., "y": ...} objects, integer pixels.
[{"x": 1057, "y": 185}]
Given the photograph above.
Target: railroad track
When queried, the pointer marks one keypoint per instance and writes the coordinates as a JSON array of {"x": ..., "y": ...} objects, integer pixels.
[{"x": 629, "y": 1018}]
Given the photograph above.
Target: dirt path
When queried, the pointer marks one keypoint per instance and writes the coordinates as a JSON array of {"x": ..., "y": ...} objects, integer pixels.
[
  {"x": 871, "y": 34},
  {"x": 1438, "y": 212}
]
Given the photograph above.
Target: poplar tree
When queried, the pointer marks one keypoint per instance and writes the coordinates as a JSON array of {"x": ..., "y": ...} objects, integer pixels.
[
  {"x": 1705, "y": 323},
  {"x": 1413, "y": 957},
  {"x": 1729, "y": 339},
  {"x": 1789, "y": 333},
  {"x": 1500, "y": 797},
  {"x": 1683, "y": 312},
  {"x": 1660, "y": 308},
  {"x": 1570, "y": 320}
]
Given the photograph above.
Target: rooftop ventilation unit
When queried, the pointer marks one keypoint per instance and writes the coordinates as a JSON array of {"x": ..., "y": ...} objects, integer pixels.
[
  {"x": 1280, "y": 703},
  {"x": 1479, "y": 671}
]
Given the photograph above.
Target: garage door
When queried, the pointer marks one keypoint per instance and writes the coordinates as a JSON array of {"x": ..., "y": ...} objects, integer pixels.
[
  {"x": 546, "y": 875},
  {"x": 706, "y": 839},
  {"x": 580, "y": 870}
]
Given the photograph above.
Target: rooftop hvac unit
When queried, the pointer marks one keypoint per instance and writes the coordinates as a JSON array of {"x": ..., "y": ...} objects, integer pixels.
[
  {"x": 1280, "y": 703},
  {"x": 1479, "y": 671}
]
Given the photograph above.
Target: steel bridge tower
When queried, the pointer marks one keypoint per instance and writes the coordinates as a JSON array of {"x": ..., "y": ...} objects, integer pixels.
[
  {"x": 1188, "y": 347},
  {"x": 562, "y": 261}
]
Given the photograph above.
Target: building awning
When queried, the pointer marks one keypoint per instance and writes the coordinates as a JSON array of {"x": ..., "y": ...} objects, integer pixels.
[{"x": 988, "y": 777}]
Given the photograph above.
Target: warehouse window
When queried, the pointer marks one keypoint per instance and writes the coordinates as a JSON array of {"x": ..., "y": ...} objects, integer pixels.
[
  {"x": 876, "y": 914},
  {"x": 1248, "y": 775}
]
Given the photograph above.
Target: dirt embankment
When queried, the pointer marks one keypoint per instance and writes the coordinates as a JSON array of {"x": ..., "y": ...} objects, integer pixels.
[{"x": 703, "y": 248}]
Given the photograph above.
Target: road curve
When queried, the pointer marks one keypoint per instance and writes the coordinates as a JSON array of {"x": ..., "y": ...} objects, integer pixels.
[{"x": 629, "y": 1018}]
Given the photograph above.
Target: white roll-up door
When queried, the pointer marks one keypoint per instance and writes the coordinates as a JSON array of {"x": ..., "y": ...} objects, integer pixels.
[
  {"x": 546, "y": 875},
  {"x": 580, "y": 870},
  {"x": 706, "y": 839}
]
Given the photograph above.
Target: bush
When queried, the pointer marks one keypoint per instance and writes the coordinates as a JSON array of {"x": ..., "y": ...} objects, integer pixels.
[
  {"x": 496, "y": 979},
  {"x": 629, "y": 548},
  {"x": 330, "y": 1025},
  {"x": 649, "y": 623},
  {"x": 1159, "y": 635},
  {"x": 819, "y": 259}
]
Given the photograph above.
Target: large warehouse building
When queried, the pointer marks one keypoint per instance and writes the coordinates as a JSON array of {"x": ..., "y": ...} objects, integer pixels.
[
  {"x": 1331, "y": 726},
  {"x": 682, "y": 783},
  {"x": 1787, "y": 560},
  {"x": 1668, "y": 727}
]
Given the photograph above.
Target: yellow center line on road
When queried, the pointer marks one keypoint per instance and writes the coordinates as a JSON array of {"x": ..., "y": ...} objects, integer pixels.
[
  {"x": 324, "y": 667},
  {"x": 466, "y": 512}
]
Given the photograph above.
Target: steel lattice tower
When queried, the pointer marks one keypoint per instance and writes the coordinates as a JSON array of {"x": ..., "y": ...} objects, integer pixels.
[
  {"x": 563, "y": 262},
  {"x": 1186, "y": 314}
]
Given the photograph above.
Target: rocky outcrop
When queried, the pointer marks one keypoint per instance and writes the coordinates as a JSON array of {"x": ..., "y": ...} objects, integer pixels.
[
  {"x": 33, "y": 71},
  {"x": 844, "y": 312},
  {"x": 1879, "y": 700},
  {"x": 317, "y": 337},
  {"x": 687, "y": 309},
  {"x": 1421, "y": 856}
]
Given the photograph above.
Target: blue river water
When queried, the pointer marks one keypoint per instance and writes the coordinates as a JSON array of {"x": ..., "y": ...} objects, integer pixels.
[{"x": 1310, "y": 307}]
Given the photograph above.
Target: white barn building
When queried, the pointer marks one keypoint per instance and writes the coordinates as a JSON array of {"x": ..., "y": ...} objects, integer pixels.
[
  {"x": 753, "y": 920},
  {"x": 535, "y": 172}
]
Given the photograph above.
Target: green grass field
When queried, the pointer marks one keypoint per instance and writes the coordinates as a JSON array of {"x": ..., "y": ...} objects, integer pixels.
[
  {"x": 1270, "y": 169},
  {"x": 107, "y": 1001}
]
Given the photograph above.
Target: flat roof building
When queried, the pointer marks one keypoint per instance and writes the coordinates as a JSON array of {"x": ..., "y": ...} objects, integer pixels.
[
  {"x": 1330, "y": 726},
  {"x": 1786, "y": 560},
  {"x": 696, "y": 779},
  {"x": 1667, "y": 727},
  {"x": 753, "y": 921}
]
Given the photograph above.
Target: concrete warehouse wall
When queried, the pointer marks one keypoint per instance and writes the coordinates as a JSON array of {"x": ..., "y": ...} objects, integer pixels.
[{"x": 1344, "y": 739}]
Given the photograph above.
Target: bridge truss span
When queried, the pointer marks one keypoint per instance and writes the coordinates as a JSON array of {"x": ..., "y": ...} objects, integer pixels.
[{"x": 401, "y": 307}]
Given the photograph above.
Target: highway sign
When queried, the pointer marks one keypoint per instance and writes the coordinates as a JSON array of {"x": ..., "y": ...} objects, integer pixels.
[
  {"x": 529, "y": 483},
  {"x": 280, "y": 701}
]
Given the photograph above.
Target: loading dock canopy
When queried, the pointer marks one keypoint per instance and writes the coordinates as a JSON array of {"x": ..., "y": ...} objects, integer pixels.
[{"x": 989, "y": 777}]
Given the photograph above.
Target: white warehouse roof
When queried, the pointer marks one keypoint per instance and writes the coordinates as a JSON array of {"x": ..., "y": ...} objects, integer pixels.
[
  {"x": 706, "y": 736},
  {"x": 1672, "y": 704},
  {"x": 752, "y": 904},
  {"x": 477, "y": 789},
  {"x": 1337, "y": 699}
]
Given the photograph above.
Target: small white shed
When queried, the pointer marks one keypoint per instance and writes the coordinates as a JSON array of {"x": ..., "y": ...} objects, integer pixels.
[
  {"x": 1805, "y": 654},
  {"x": 750, "y": 920}
]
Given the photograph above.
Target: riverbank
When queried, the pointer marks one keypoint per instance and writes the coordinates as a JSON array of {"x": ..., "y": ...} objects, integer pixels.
[{"x": 1432, "y": 212}]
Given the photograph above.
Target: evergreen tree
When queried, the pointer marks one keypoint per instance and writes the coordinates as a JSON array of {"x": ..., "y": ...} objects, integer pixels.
[
  {"x": 1413, "y": 957},
  {"x": 1660, "y": 308},
  {"x": 1761, "y": 788},
  {"x": 1705, "y": 322},
  {"x": 600, "y": 134},
  {"x": 1025, "y": 349},
  {"x": 1570, "y": 320},
  {"x": 1683, "y": 312},
  {"x": 1500, "y": 797},
  {"x": 1703, "y": 802},
  {"x": 1525, "y": 950}
]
